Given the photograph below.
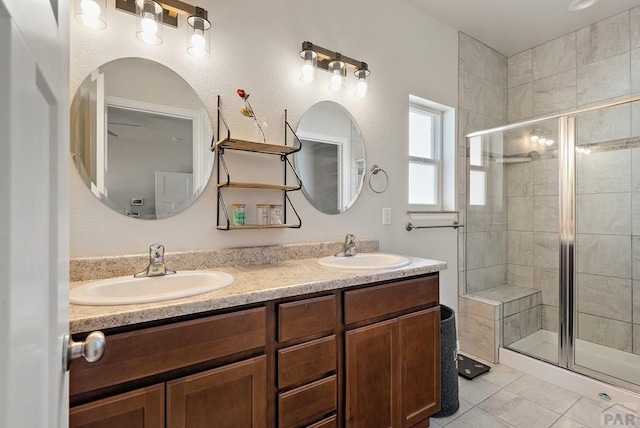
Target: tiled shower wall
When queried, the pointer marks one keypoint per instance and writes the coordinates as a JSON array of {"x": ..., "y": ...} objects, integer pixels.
[
  {"x": 588, "y": 67},
  {"x": 591, "y": 66},
  {"x": 482, "y": 104}
]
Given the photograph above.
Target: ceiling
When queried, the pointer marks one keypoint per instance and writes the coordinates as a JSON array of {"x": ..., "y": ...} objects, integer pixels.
[{"x": 512, "y": 26}]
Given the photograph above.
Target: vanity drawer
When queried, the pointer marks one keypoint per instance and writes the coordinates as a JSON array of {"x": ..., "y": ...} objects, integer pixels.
[
  {"x": 373, "y": 302},
  {"x": 146, "y": 352},
  {"x": 307, "y": 361},
  {"x": 330, "y": 422},
  {"x": 306, "y": 317},
  {"x": 308, "y": 403}
]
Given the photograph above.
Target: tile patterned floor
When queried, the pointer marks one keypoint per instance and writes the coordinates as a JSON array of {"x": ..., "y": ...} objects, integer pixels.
[{"x": 507, "y": 398}]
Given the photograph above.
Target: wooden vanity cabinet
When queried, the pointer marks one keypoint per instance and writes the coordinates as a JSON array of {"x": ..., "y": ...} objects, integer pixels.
[
  {"x": 200, "y": 369},
  {"x": 142, "y": 408},
  {"x": 307, "y": 361},
  {"x": 392, "y": 361},
  {"x": 364, "y": 357}
]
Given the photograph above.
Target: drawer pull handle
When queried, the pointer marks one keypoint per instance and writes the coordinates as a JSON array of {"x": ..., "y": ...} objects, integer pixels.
[{"x": 92, "y": 349}]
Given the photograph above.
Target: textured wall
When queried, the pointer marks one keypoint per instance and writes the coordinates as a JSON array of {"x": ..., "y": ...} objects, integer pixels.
[{"x": 255, "y": 46}]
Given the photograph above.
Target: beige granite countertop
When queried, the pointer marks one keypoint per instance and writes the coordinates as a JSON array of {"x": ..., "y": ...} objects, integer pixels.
[{"x": 253, "y": 284}]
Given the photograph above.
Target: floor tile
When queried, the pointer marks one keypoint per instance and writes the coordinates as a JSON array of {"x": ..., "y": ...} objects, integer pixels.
[
  {"x": 476, "y": 390},
  {"x": 501, "y": 375},
  {"x": 590, "y": 413},
  {"x": 434, "y": 424},
  {"x": 550, "y": 396},
  {"x": 478, "y": 418},
  {"x": 464, "y": 406},
  {"x": 519, "y": 411},
  {"x": 565, "y": 422}
]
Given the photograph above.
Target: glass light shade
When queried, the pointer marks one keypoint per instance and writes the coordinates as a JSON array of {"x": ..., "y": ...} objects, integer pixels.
[
  {"x": 338, "y": 72},
  {"x": 310, "y": 66},
  {"x": 149, "y": 22},
  {"x": 542, "y": 140},
  {"x": 549, "y": 142},
  {"x": 362, "y": 85},
  {"x": 92, "y": 13},
  {"x": 534, "y": 138},
  {"x": 199, "y": 37}
]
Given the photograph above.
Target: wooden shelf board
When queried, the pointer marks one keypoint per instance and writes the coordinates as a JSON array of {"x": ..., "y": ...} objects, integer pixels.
[
  {"x": 250, "y": 146},
  {"x": 239, "y": 185},
  {"x": 260, "y": 226}
]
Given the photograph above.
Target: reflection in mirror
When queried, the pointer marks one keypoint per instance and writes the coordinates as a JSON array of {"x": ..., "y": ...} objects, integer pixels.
[
  {"x": 332, "y": 161},
  {"x": 140, "y": 138}
]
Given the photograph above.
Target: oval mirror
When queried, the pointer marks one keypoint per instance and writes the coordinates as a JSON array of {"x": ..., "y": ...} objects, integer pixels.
[
  {"x": 140, "y": 138},
  {"x": 332, "y": 161}
]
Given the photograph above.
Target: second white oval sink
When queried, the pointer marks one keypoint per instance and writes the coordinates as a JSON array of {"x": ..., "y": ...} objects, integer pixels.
[
  {"x": 365, "y": 261},
  {"x": 126, "y": 290}
]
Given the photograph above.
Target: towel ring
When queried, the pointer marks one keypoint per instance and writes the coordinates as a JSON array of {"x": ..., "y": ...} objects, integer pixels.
[{"x": 375, "y": 169}]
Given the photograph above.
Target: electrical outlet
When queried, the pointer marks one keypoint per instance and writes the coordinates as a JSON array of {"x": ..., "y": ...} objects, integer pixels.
[{"x": 386, "y": 216}]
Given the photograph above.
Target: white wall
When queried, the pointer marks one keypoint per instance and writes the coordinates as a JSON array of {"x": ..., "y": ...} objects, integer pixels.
[{"x": 255, "y": 47}]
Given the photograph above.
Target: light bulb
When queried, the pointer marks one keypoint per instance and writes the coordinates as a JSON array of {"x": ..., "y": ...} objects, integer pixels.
[
  {"x": 549, "y": 142},
  {"x": 307, "y": 75},
  {"x": 149, "y": 25},
  {"x": 337, "y": 69},
  {"x": 90, "y": 9},
  {"x": 534, "y": 138},
  {"x": 90, "y": 13},
  {"x": 542, "y": 140},
  {"x": 198, "y": 41},
  {"x": 336, "y": 81},
  {"x": 361, "y": 88}
]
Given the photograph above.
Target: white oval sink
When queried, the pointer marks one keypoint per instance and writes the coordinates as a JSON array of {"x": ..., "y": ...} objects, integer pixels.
[
  {"x": 365, "y": 261},
  {"x": 126, "y": 290}
]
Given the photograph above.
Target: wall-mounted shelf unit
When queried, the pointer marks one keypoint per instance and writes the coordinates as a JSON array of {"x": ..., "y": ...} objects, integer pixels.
[{"x": 223, "y": 218}]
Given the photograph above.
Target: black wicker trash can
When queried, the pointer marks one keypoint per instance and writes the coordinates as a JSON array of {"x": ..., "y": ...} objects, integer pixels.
[{"x": 448, "y": 363}]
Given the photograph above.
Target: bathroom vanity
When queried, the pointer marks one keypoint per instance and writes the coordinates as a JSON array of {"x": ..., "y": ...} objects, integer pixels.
[{"x": 339, "y": 348}]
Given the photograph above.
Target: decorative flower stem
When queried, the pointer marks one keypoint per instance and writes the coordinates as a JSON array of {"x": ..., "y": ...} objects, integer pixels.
[{"x": 247, "y": 110}]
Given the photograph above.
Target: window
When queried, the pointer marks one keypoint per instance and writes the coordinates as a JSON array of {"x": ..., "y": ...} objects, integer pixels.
[
  {"x": 477, "y": 173},
  {"x": 425, "y": 158}
]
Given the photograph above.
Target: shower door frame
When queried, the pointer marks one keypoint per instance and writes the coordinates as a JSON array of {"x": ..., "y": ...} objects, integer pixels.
[{"x": 567, "y": 315}]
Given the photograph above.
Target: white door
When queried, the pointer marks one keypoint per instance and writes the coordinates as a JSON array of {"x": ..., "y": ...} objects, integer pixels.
[
  {"x": 34, "y": 254},
  {"x": 174, "y": 192}
]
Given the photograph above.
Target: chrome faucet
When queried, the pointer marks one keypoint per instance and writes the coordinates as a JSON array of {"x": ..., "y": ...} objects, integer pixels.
[
  {"x": 349, "y": 248},
  {"x": 156, "y": 263}
]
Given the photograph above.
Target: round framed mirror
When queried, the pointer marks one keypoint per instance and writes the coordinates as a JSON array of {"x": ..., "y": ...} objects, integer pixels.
[
  {"x": 332, "y": 161},
  {"x": 140, "y": 138}
]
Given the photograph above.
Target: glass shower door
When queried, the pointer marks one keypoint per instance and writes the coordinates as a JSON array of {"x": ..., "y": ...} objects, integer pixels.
[
  {"x": 512, "y": 232},
  {"x": 607, "y": 243}
]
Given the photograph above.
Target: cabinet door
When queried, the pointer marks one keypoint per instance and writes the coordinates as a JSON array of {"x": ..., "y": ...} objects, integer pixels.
[
  {"x": 372, "y": 376},
  {"x": 233, "y": 396},
  {"x": 143, "y": 408},
  {"x": 420, "y": 365}
]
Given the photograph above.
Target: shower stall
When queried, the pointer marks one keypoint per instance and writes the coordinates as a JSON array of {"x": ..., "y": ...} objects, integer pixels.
[{"x": 553, "y": 235}]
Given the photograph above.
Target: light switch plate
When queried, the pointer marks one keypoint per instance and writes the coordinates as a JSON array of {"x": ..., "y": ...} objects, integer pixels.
[{"x": 386, "y": 216}]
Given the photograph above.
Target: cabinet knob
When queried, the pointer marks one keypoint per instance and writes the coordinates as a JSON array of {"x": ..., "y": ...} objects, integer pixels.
[{"x": 92, "y": 349}]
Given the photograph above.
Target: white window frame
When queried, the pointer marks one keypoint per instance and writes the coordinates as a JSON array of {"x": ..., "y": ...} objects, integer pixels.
[{"x": 437, "y": 144}]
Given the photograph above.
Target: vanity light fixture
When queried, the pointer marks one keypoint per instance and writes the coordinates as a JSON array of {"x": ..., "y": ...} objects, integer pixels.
[
  {"x": 362, "y": 86},
  {"x": 149, "y": 21},
  {"x": 310, "y": 65},
  {"x": 153, "y": 15},
  {"x": 338, "y": 70},
  {"x": 335, "y": 63},
  {"x": 199, "y": 43},
  {"x": 92, "y": 13}
]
